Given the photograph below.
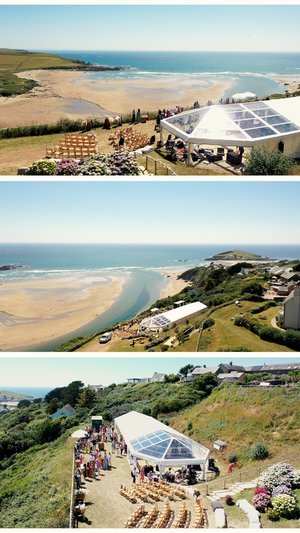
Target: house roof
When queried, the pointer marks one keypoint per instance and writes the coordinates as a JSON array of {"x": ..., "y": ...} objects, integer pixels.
[
  {"x": 200, "y": 370},
  {"x": 67, "y": 410},
  {"x": 283, "y": 366},
  {"x": 232, "y": 368},
  {"x": 231, "y": 375},
  {"x": 290, "y": 275}
]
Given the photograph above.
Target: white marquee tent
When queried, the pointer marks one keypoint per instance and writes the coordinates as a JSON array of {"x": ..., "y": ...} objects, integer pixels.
[
  {"x": 153, "y": 441},
  {"x": 245, "y": 124},
  {"x": 174, "y": 316}
]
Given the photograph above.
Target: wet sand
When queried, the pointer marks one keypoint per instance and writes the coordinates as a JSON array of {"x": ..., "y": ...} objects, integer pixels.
[
  {"x": 36, "y": 311},
  {"x": 50, "y": 100},
  {"x": 175, "y": 285}
]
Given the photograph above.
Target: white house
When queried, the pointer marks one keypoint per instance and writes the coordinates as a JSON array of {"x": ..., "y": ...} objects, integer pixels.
[{"x": 291, "y": 310}]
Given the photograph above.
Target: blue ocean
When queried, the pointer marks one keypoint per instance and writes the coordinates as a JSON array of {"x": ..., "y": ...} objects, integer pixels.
[
  {"x": 143, "y": 264},
  {"x": 34, "y": 392},
  {"x": 247, "y": 71}
]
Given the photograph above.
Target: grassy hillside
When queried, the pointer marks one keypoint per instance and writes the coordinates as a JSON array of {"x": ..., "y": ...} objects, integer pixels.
[
  {"x": 13, "y": 61},
  {"x": 243, "y": 417},
  {"x": 35, "y": 483},
  {"x": 20, "y": 60},
  {"x": 35, "y": 489}
]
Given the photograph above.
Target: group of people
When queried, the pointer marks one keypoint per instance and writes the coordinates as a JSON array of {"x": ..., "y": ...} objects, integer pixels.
[
  {"x": 143, "y": 472},
  {"x": 136, "y": 117}
]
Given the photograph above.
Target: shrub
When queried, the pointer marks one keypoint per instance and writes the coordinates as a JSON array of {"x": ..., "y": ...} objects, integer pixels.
[
  {"x": 259, "y": 452},
  {"x": 263, "y": 162},
  {"x": 229, "y": 499},
  {"x": 261, "y": 501},
  {"x": 232, "y": 458},
  {"x": 67, "y": 167},
  {"x": 282, "y": 489},
  {"x": 208, "y": 323},
  {"x": 42, "y": 168},
  {"x": 285, "y": 506},
  {"x": 276, "y": 475},
  {"x": 261, "y": 490},
  {"x": 190, "y": 425}
]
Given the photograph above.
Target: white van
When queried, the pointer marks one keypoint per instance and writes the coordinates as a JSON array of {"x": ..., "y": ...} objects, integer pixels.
[{"x": 105, "y": 337}]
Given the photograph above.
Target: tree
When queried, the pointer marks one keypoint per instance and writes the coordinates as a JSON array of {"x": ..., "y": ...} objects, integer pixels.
[
  {"x": 171, "y": 378},
  {"x": 87, "y": 398},
  {"x": 296, "y": 268},
  {"x": 69, "y": 394},
  {"x": 185, "y": 370},
  {"x": 24, "y": 403},
  {"x": 53, "y": 406},
  {"x": 253, "y": 287},
  {"x": 263, "y": 162}
]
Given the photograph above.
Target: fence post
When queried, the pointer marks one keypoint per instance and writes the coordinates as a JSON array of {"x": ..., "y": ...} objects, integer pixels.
[
  {"x": 225, "y": 483},
  {"x": 155, "y": 167},
  {"x": 207, "y": 491},
  {"x": 146, "y": 162},
  {"x": 240, "y": 476}
]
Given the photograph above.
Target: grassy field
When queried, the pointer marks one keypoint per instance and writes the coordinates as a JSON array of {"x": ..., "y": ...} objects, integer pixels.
[
  {"x": 20, "y": 60},
  {"x": 22, "y": 151},
  {"x": 224, "y": 335},
  {"x": 13, "y": 61},
  {"x": 235, "y": 515},
  {"x": 242, "y": 417},
  {"x": 35, "y": 489}
]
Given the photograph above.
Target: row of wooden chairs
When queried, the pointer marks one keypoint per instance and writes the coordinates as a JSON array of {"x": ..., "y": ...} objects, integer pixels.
[
  {"x": 150, "y": 518},
  {"x": 128, "y": 494},
  {"x": 164, "y": 516},
  {"x": 182, "y": 517},
  {"x": 135, "y": 518},
  {"x": 74, "y": 146},
  {"x": 199, "y": 520}
]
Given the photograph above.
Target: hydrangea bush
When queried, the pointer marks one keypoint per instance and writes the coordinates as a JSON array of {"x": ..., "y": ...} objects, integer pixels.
[
  {"x": 42, "y": 168},
  {"x": 115, "y": 164},
  {"x": 285, "y": 506},
  {"x": 282, "y": 489},
  {"x": 276, "y": 475},
  {"x": 261, "y": 490},
  {"x": 67, "y": 167},
  {"x": 261, "y": 501}
]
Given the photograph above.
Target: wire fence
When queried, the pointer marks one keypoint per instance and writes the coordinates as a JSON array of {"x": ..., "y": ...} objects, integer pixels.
[
  {"x": 71, "y": 519},
  {"x": 156, "y": 167}
]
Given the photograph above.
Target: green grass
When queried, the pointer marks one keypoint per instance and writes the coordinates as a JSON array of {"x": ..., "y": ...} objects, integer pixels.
[
  {"x": 18, "y": 60},
  {"x": 234, "y": 513},
  {"x": 35, "y": 489},
  {"x": 224, "y": 335},
  {"x": 10, "y": 84},
  {"x": 13, "y": 61},
  {"x": 242, "y": 417}
]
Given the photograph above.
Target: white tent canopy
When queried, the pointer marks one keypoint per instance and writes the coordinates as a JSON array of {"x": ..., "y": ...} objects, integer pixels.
[
  {"x": 243, "y": 124},
  {"x": 243, "y": 96},
  {"x": 153, "y": 441},
  {"x": 79, "y": 434}
]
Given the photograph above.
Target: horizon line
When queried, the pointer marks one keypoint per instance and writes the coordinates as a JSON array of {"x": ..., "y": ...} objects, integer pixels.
[{"x": 159, "y": 244}]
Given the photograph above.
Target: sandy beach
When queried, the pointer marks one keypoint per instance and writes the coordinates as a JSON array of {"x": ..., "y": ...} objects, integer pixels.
[
  {"x": 175, "y": 285},
  {"x": 76, "y": 95},
  {"x": 32, "y": 312}
]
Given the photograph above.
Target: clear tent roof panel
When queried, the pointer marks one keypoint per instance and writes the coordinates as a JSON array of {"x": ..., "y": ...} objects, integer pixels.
[{"x": 239, "y": 122}]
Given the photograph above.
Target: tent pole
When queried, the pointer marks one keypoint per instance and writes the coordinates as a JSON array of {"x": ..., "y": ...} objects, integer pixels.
[{"x": 189, "y": 155}]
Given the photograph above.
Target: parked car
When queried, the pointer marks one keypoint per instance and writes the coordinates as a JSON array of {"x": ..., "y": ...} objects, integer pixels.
[{"x": 105, "y": 337}]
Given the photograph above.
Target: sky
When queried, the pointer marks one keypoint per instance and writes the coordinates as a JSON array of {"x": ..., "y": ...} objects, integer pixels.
[
  {"x": 60, "y": 371},
  {"x": 150, "y": 212},
  {"x": 151, "y": 27}
]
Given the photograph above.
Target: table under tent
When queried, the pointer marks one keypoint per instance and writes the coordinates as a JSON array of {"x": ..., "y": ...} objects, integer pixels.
[
  {"x": 270, "y": 123},
  {"x": 158, "y": 444}
]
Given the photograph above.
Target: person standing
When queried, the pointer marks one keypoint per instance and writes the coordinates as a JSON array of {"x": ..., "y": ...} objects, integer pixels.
[
  {"x": 134, "y": 473},
  {"x": 138, "y": 116},
  {"x": 133, "y": 117}
]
